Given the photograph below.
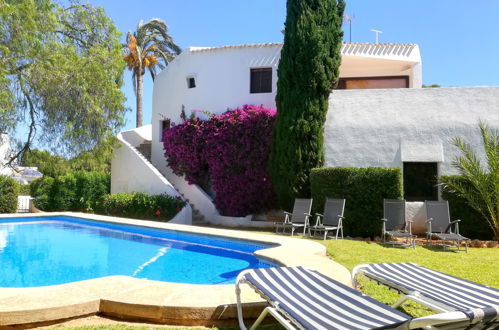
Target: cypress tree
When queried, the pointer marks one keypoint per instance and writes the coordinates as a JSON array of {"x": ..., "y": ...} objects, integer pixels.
[{"x": 308, "y": 69}]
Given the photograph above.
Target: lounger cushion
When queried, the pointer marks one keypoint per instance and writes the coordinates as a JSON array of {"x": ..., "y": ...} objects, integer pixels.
[
  {"x": 314, "y": 301},
  {"x": 452, "y": 292},
  {"x": 399, "y": 234},
  {"x": 450, "y": 237}
]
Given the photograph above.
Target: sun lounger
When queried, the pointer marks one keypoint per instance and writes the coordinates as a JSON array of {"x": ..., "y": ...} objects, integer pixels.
[
  {"x": 440, "y": 226},
  {"x": 300, "y": 298},
  {"x": 395, "y": 225},
  {"x": 436, "y": 290},
  {"x": 331, "y": 220},
  {"x": 298, "y": 219}
]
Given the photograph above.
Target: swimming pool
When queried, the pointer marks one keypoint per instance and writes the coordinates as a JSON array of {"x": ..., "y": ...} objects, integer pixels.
[{"x": 41, "y": 251}]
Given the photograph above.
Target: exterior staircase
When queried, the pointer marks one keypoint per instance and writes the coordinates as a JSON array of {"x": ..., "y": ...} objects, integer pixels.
[
  {"x": 197, "y": 218},
  {"x": 145, "y": 150}
]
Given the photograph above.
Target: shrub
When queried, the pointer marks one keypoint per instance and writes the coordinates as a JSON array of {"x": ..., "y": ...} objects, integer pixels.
[
  {"x": 24, "y": 189},
  {"x": 364, "y": 190},
  {"x": 8, "y": 195},
  {"x": 473, "y": 225},
  {"x": 40, "y": 189},
  {"x": 141, "y": 206},
  {"x": 184, "y": 145},
  {"x": 237, "y": 153},
  {"x": 233, "y": 150},
  {"x": 74, "y": 191}
]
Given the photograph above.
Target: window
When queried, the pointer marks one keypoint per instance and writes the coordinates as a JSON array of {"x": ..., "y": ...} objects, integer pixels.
[
  {"x": 191, "y": 82},
  {"x": 163, "y": 124},
  {"x": 373, "y": 82},
  {"x": 420, "y": 181},
  {"x": 261, "y": 80}
]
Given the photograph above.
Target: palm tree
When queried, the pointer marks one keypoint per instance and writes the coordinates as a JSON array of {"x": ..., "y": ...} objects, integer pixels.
[
  {"x": 479, "y": 183},
  {"x": 149, "y": 47}
]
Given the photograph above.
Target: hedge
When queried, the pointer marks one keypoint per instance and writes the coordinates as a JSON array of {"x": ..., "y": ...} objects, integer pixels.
[
  {"x": 74, "y": 191},
  {"x": 9, "y": 190},
  {"x": 141, "y": 206},
  {"x": 364, "y": 190},
  {"x": 473, "y": 224}
]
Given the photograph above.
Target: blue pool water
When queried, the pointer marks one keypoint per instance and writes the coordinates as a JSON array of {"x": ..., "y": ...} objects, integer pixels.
[{"x": 39, "y": 251}]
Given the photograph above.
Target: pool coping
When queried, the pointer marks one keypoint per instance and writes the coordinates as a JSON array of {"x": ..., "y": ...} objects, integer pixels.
[{"x": 154, "y": 301}]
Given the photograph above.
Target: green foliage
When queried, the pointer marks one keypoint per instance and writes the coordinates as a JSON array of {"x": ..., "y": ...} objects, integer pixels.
[
  {"x": 41, "y": 190},
  {"x": 47, "y": 163},
  {"x": 149, "y": 47},
  {"x": 74, "y": 191},
  {"x": 364, "y": 190},
  {"x": 60, "y": 73},
  {"x": 479, "y": 184},
  {"x": 98, "y": 159},
  {"x": 308, "y": 69},
  {"x": 139, "y": 205},
  {"x": 473, "y": 224},
  {"x": 24, "y": 189},
  {"x": 8, "y": 195}
]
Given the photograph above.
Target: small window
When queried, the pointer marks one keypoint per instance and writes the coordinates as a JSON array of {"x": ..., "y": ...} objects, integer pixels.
[
  {"x": 163, "y": 124},
  {"x": 191, "y": 82},
  {"x": 420, "y": 181},
  {"x": 373, "y": 82},
  {"x": 261, "y": 80}
]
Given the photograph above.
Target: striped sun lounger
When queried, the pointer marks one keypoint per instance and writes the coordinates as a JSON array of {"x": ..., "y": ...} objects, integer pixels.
[
  {"x": 300, "y": 298},
  {"x": 439, "y": 291}
]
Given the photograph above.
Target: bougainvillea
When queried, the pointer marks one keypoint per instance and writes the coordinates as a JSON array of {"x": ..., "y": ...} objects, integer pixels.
[
  {"x": 231, "y": 149},
  {"x": 184, "y": 145}
]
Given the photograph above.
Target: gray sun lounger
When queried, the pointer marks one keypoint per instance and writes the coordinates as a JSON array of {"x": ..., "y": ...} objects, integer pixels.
[
  {"x": 298, "y": 219},
  {"x": 331, "y": 220},
  {"x": 395, "y": 225},
  {"x": 438, "y": 291},
  {"x": 439, "y": 226},
  {"x": 300, "y": 298}
]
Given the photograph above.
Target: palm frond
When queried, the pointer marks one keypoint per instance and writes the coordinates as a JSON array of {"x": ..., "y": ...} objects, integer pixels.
[{"x": 479, "y": 183}]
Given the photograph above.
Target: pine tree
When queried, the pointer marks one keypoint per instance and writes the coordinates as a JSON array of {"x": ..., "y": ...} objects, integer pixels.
[{"x": 308, "y": 69}]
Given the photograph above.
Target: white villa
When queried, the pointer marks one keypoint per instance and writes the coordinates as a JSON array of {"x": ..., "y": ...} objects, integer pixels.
[{"x": 379, "y": 115}]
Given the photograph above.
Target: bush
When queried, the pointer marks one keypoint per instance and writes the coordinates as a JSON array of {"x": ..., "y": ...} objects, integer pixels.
[
  {"x": 233, "y": 150},
  {"x": 9, "y": 191},
  {"x": 364, "y": 190},
  {"x": 24, "y": 189},
  {"x": 473, "y": 224},
  {"x": 74, "y": 191},
  {"x": 141, "y": 206},
  {"x": 40, "y": 190},
  {"x": 184, "y": 145},
  {"x": 237, "y": 152}
]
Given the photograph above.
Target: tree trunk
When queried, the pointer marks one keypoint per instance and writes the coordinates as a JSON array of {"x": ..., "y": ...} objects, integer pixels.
[{"x": 139, "y": 99}]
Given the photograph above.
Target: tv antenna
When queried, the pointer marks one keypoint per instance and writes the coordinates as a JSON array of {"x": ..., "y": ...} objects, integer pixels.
[
  {"x": 349, "y": 19},
  {"x": 378, "y": 32}
]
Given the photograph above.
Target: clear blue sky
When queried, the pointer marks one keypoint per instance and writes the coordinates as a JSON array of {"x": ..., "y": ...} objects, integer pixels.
[{"x": 458, "y": 39}]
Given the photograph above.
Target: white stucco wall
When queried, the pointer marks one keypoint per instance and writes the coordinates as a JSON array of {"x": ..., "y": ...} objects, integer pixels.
[
  {"x": 131, "y": 172},
  {"x": 384, "y": 127},
  {"x": 222, "y": 75}
]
